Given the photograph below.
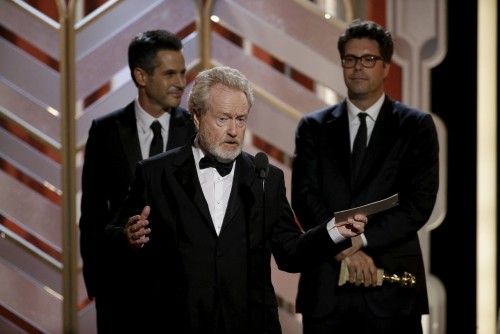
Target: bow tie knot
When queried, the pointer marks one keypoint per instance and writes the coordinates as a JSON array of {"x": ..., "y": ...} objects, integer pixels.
[{"x": 223, "y": 168}]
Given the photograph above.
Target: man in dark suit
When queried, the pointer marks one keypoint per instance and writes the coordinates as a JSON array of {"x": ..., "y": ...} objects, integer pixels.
[
  {"x": 209, "y": 222},
  {"x": 394, "y": 150},
  {"x": 115, "y": 144}
]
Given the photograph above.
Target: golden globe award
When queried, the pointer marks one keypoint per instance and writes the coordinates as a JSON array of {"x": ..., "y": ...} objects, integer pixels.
[{"x": 404, "y": 280}]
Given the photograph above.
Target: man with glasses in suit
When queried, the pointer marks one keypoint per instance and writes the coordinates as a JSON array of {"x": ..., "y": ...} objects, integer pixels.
[{"x": 361, "y": 150}]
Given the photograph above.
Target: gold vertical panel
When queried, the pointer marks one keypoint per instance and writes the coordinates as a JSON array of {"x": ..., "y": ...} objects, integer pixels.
[
  {"x": 486, "y": 167},
  {"x": 205, "y": 34},
  {"x": 68, "y": 153}
]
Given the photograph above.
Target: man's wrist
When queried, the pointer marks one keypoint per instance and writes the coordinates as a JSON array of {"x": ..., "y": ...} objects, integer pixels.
[{"x": 334, "y": 232}]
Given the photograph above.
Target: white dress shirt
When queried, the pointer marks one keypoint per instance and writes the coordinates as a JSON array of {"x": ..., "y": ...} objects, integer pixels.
[
  {"x": 144, "y": 131},
  {"x": 372, "y": 111},
  {"x": 216, "y": 188},
  {"x": 352, "y": 112}
]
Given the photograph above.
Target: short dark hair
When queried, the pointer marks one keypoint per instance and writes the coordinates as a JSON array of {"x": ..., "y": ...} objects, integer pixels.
[
  {"x": 144, "y": 47},
  {"x": 358, "y": 29}
]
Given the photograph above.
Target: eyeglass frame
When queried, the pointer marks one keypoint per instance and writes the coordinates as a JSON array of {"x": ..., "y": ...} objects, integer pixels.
[{"x": 362, "y": 59}]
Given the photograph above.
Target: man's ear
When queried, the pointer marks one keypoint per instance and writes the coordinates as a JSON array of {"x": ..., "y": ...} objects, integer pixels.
[
  {"x": 387, "y": 66},
  {"x": 196, "y": 120},
  {"x": 140, "y": 76}
]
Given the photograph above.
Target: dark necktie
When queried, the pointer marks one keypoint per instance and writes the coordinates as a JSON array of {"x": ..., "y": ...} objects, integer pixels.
[
  {"x": 359, "y": 146},
  {"x": 157, "y": 142},
  {"x": 223, "y": 168}
]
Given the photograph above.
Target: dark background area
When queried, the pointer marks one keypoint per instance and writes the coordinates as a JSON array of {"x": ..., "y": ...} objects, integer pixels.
[{"x": 453, "y": 243}]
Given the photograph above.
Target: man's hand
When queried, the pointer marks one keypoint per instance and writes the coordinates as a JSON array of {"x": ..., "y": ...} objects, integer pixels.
[
  {"x": 136, "y": 229},
  {"x": 353, "y": 226},
  {"x": 357, "y": 244},
  {"x": 362, "y": 269}
]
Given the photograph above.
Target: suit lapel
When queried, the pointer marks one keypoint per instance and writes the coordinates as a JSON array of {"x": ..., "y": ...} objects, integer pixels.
[
  {"x": 188, "y": 179},
  {"x": 337, "y": 141},
  {"x": 127, "y": 128},
  {"x": 178, "y": 129}
]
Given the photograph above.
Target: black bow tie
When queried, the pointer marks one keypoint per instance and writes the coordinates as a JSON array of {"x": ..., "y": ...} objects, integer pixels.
[{"x": 223, "y": 168}]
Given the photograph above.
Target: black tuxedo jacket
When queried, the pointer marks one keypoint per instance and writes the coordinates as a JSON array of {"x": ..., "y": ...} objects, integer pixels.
[
  {"x": 197, "y": 275},
  {"x": 111, "y": 154},
  {"x": 401, "y": 157}
]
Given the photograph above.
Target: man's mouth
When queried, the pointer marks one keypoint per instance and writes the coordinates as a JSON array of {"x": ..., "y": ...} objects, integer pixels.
[
  {"x": 176, "y": 94},
  {"x": 357, "y": 77}
]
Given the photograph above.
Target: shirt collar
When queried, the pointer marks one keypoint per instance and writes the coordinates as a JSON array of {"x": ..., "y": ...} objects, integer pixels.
[
  {"x": 144, "y": 119},
  {"x": 372, "y": 111},
  {"x": 197, "y": 153}
]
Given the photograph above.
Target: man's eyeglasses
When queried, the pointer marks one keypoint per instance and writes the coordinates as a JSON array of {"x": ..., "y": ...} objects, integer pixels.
[{"x": 367, "y": 61}]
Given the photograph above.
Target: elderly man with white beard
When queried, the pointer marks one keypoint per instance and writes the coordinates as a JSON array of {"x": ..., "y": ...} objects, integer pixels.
[{"x": 203, "y": 222}]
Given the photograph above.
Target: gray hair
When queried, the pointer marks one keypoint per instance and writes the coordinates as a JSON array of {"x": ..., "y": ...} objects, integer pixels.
[{"x": 227, "y": 76}]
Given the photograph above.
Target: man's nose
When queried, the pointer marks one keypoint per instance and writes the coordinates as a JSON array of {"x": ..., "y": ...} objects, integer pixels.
[
  {"x": 180, "y": 80},
  {"x": 358, "y": 65},
  {"x": 231, "y": 127}
]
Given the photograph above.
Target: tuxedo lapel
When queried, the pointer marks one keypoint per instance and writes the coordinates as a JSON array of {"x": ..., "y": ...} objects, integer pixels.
[
  {"x": 249, "y": 192},
  {"x": 127, "y": 129},
  {"x": 243, "y": 178},
  {"x": 188, "y": 179}
]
